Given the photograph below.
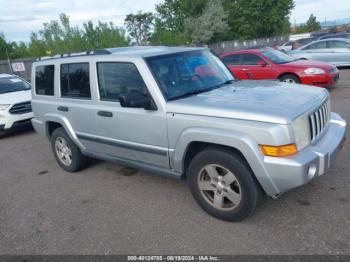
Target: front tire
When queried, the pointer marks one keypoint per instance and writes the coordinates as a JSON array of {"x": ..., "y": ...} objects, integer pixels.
[
  {"x": 67, "y": 154},
  {"x": 223, "y": 184},
  {"x": 289, "y": 78}
]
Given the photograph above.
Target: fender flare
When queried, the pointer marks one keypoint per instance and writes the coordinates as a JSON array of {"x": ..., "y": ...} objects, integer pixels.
[
  {"x": 64, "y": 122},
  {"x": 237, "y": 140}
]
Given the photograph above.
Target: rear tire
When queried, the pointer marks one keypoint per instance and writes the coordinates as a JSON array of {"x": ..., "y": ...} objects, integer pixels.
[
  {"x": 67, "y": 154},
  {"x": 223, "y": 184},
  {"x": 289, "y": 78}
]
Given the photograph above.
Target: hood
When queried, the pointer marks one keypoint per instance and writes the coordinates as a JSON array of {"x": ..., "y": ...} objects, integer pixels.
[
  {"x": 16, "y": 97},
  {"x": 265, "y": 101},
  {"x": 308, "y": 63}
]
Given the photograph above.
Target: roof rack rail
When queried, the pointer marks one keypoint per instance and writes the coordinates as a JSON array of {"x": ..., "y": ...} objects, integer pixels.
[{"x": 93, "y": 52}]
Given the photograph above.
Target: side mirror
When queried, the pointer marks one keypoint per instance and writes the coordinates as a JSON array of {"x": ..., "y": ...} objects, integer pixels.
[
  {"x": 136, "y": 99},
  {"x": 262, "y": 63}
]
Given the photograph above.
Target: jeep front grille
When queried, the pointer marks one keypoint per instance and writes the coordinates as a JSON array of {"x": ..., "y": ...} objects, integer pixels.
[
  {"x": 318, "y": 120},
  {"x": 21, "y": 108}
]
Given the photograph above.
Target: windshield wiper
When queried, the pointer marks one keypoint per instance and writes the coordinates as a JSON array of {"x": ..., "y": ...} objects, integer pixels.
[
  {"x": 192, "y": 93},
  {"x": 196, "y": 92},
  {"x": 225, "y": 83}
]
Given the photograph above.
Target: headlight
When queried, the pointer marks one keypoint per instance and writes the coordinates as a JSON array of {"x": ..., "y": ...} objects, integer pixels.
[
  {"x": 3, "y": 107},
  {"x": 301, "y": 131},
  {"x": 314, "y": 71}
]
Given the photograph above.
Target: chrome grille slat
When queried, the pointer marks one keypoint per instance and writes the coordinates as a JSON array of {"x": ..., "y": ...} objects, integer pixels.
[
  {"x": 324, "y": 116},
  {"x": 313, "y": 127},
  {"x": 321, "y": 118},
  {"x": 318, "y": 120},
  {"x": 318, "y": 128}
]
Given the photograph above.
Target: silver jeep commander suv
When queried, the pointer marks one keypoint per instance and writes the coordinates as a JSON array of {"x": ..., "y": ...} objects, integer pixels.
[{"x": 179, "y": 112}]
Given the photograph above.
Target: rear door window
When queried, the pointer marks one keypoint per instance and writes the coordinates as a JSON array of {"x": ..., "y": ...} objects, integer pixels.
[
  {"x": 232, "y": 59},
  {"x": 250, "y": 59},
  {"x": 319, "y": 45},
  {"x": 337, "y": 44},
  {"x": 75, "y": 81}
]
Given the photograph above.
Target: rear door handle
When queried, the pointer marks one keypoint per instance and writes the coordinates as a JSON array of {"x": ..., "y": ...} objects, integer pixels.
[
  {"x": 245, "y": 69},
  {"x": 105, "y": 113},
  {"x": 63, "y": 108}
]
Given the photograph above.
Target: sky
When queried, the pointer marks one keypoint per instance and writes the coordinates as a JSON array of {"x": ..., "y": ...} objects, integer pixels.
[{"x": 20, "y": 17}]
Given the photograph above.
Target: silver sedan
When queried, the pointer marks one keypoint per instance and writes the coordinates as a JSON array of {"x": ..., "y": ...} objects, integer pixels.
[{"x": 335, "y": 51}]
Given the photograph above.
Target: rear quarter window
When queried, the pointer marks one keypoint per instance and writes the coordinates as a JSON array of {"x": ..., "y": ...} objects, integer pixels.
[{"x": 44, "y": 80}]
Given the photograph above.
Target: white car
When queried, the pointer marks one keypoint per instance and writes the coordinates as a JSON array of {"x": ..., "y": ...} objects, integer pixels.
[
  {"x": 15, "y": 102},
  {"x": 285, "y": 47}
]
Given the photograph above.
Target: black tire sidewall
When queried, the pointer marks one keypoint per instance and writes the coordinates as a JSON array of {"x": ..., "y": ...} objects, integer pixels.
[
  {"x": 296, "y": 79},
  {"x": 78, "y": 160},
  {"x": 237, "y": 165}
]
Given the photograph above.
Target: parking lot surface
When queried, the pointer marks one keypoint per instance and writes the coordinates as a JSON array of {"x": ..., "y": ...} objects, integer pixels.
[{"x": 112, "y": 209}]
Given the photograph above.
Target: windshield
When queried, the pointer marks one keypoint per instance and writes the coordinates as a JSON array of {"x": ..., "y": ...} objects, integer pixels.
[
  {"x": 12, "y": 84},
  {"x": 278, "y": 57},
  {"x": 188, "y": 73}
]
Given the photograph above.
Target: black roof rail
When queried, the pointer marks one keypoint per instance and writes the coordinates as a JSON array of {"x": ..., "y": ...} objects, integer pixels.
[{"x": 86, "y": 53}]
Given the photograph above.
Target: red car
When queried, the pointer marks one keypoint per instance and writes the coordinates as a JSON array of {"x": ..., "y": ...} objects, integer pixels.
[{"x": 272, "y": 64}]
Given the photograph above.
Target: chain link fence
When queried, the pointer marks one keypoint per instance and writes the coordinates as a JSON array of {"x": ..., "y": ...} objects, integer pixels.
[
  {"x": 5, "y": 68},
  {"x": 228, "y": 46}
]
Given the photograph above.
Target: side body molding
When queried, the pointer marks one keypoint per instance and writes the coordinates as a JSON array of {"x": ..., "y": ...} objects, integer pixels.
[{"x": 243, "y": 143}]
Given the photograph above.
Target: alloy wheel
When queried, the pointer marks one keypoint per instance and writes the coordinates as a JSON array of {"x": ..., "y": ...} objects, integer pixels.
[
  {"x": 63, "y": 151},
  {"x": 219, "y": 187}
]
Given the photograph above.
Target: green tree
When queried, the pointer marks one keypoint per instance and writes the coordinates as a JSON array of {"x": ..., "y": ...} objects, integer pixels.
[
  {"x": 211, "y": 22},
  {"x": 59, "y": 37},
  {"x": 170, "y": 20},
  {"x": 312, "y": 24},
  {"x": 139, "y": 26},
  {"x": 3, "y": 46},
  {"x": 249, "y": 19},
  {"x": 104, "y": 35},
  {"x": 19, "y": 50}
]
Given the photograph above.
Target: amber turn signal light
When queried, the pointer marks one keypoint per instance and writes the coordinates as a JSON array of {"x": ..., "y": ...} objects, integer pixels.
[{"x": 279, "y": 151}]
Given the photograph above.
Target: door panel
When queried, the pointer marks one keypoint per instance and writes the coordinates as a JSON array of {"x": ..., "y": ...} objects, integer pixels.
[
  {"x": 250, "y": 63},
  {"x": 129, "y": 133},
  {"x": 339, "y": 56},
  {"x": 262, "y": 72},
  {"x": 240, "y": 72}
]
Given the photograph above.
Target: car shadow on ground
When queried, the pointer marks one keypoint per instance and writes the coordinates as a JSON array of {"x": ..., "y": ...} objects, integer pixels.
[{"x": 17, "y": 132}]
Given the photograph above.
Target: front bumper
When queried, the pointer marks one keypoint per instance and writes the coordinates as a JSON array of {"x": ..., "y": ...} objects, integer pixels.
[
  {"x": 312, "y": 161},
  {"x": 9, "y": 121},
  {"x": 324, "y": 80}
]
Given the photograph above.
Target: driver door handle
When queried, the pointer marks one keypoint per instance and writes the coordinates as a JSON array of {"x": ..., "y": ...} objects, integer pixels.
[
  {"x": 105, "y": 113},
  {"x": 245, "y": 69},
  {"x": 63, "y": 108}
]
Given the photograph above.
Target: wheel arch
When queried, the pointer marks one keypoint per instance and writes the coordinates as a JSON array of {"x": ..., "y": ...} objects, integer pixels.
[
  {"x": 289, "y": 73},
  {"x": 53, "y": 121},
  {"x": 51, "y": 126}
]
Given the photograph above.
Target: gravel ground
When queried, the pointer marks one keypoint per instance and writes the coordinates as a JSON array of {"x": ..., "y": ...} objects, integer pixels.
[{"x": 111, "y": 209}]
